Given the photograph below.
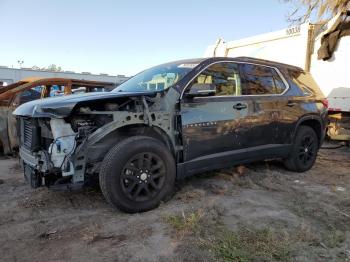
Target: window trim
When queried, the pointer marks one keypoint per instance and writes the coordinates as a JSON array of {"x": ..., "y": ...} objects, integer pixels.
[{"x": 238, "y": 62}]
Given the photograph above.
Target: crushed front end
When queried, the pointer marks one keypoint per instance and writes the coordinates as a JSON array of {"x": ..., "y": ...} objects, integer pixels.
[
  {"x": 47, "y": 148},
  {"x": 63, "y": 141}
]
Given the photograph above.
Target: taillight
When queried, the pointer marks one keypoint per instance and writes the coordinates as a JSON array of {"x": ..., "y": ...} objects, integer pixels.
[
  {"x": 325, "y": 103},
  {"x": 334, "y": 109}
]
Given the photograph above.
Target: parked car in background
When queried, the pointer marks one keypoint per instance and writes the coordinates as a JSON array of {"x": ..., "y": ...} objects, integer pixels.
[
  {"x": 30, "y": 89},
  {"x": 4, "y": 88},
  {"x": 172, "y": 121}
]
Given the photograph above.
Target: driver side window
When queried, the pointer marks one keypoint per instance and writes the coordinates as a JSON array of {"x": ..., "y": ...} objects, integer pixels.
[{"x": 224, "y": 76}]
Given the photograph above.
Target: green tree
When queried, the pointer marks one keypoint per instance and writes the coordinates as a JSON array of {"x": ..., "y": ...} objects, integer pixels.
[
  {"x": 52, "y": 67},
  {"x": 34, "y": 67}
]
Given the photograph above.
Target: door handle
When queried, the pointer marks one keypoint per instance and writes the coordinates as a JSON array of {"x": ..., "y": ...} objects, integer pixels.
[
  {"x": 291, "y": 103},
  {"x": 239, "y": 106}
]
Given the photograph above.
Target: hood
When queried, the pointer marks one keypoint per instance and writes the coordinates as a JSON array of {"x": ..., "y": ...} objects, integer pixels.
[{"x": 62, "y": 106}]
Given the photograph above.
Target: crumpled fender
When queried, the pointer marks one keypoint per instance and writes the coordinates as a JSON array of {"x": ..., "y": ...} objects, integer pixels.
[{"x": 60, "y": 107}]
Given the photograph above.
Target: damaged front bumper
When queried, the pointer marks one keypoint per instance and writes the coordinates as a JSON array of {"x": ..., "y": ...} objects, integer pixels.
[
  {"x": 36, "y": 160},
  {"x": 53, "y": 164},
  {"x": 39, "y": 170}
]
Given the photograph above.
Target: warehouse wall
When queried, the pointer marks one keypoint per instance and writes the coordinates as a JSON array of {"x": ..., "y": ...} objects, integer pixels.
[{"x": 11, "y": 75}]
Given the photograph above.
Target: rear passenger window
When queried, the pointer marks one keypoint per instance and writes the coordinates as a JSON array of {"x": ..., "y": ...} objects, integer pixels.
[{"x": 261, "y": 80}]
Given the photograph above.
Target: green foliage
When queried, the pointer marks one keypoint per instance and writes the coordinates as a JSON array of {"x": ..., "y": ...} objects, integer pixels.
[
  {"x": 52, "y": 67},
  {"x": 251, "y": 245},
  {"x": 334, "y": 238},
  {"x": 184, "y": 223}
]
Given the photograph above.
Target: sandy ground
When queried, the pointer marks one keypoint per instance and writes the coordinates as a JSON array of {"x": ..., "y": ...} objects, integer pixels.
[{"x": 265, "y": 213}]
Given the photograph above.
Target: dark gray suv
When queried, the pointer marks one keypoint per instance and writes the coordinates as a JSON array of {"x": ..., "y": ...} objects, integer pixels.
[{"x": 172, "y": 121}]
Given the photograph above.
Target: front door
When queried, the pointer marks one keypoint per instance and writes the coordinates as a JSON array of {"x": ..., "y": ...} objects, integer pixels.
[
  {"x": 237, "y": 123},
  {"x": 213, "y": 125}
]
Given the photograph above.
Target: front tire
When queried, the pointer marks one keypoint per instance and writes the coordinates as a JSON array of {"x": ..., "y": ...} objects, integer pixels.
[
  {"x": 137, "y": 174},
  {"x": 304, "y": 150}
]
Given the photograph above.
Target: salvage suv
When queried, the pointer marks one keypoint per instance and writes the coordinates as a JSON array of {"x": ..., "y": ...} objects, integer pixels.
[{"x": 172, "y": 121}]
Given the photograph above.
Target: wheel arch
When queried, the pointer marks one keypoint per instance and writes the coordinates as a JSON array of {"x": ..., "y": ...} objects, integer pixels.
[
  {"x": 315, "y": 123},
  {"x": 103, "y": 145},
  {"x": 146, "y": 130}
]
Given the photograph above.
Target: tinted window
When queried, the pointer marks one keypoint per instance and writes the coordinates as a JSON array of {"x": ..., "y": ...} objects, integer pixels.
[
  {"x": 305, "y": 82},
  {"x": 261, "y": 80},
  {"x": 225, "y": 77}
]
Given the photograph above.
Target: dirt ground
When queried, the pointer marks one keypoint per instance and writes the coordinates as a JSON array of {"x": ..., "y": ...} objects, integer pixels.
[{"x": 259, "y": 212}]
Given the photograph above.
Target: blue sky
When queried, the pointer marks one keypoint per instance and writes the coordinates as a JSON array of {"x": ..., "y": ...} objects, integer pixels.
[{"x": 124, "y": 37}]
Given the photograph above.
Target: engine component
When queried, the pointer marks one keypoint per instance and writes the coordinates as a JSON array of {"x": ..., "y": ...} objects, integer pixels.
[{"x": 63, "y": 144}]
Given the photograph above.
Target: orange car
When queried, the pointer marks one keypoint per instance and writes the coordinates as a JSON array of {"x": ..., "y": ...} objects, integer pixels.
[{"x": 30, "y": 89}]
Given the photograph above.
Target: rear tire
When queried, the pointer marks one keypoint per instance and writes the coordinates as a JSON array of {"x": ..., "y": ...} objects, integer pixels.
[
  {"x": 137, "y": 174},
  {"x": 304, "y": 150}
]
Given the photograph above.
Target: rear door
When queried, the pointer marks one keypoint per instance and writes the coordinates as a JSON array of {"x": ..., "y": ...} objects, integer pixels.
[
  {"x": 303, "y": 98},
  {"x": 264, "y": 86}
]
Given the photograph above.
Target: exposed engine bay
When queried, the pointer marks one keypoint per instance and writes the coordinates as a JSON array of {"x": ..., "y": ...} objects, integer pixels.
[{"x": 60, "y": 152}]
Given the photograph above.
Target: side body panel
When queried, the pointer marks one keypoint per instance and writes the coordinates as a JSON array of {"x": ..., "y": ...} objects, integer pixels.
[
  {"x": 215, "y": 136},
  {"x": 212, "y": 125}
]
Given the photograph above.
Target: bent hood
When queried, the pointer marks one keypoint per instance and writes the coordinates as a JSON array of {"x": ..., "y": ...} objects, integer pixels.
[{"x": 59, "y": 107}]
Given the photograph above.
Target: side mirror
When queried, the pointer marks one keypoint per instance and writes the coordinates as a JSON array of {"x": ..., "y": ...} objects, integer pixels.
[{"x": 202, "y": 90}]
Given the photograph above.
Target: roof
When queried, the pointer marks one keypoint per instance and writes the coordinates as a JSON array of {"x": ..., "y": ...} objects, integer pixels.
[
  {"x": 61, "y": 81},
  {"x": 268, "y": 62},
  {"x": 35, "y": 81},
  {"x": 237, "y": 59},
  {"x": 186, "y": 61},
  {"x": 258, "y": 61},
  {"x": 21, "y": 82},
  {"x": 11, "y": 86}
]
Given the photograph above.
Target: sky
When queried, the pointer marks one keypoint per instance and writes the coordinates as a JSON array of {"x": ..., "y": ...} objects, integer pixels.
[{"x": 125, "y": 37}]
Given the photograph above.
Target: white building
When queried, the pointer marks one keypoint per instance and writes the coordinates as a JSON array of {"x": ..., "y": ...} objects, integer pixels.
[{"x": 11, "y": 75}]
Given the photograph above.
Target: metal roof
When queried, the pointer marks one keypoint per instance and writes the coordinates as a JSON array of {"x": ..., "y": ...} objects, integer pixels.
[{"x": 35, "y": 81}]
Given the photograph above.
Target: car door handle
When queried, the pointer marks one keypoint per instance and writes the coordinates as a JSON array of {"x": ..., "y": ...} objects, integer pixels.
[
  {"x": 290, "y": 103},
  {"x": 239, "y": 106}
]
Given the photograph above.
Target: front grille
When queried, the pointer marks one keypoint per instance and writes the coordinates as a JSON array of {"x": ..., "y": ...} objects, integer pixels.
[
  {"x": 30, "y": 133},
  {"x": 27, "y": 133}
]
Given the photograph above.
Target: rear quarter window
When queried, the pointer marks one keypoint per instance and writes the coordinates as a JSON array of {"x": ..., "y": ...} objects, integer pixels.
[{"x": 306, "y": 83}]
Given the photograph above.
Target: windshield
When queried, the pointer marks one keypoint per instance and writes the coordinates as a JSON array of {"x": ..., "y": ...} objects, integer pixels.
[{"x": 156, "y": 78}]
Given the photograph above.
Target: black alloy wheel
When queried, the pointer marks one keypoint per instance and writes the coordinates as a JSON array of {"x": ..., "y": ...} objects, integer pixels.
[
  {"x": 304, "y": 150},
  {"x": 137, "y": 174},
  {"x": 307, "y": 149},
  {"x": 143, "y": 176}
]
